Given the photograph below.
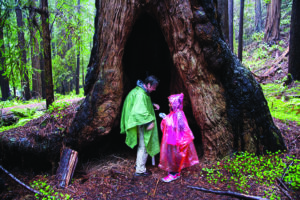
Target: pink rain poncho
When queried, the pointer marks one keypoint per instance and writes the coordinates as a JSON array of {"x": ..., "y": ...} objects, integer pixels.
[{"x": 177, "y": 147}]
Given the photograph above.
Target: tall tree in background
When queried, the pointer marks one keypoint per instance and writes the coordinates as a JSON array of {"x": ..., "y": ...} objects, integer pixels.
[
  {"x": 230, "y": 24},
  {"x": 294, "y": 57},
  {"x": 241, "y": 31},
  {"x": 78, "y": 53},
  {"x": 21, "y": 43},
  {"x": 47, "y": 53},
  {"x": 258, "y": 17},
  {"x": 272, "y": 31},
  {"x": 223, "y": 11},
  {"x": 35, "y": 60},
  {"x": 4, "y": 83}
]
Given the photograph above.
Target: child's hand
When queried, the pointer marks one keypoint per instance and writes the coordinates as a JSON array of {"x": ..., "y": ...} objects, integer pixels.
[
  {"x": 150, "y": 126},
  {"x": 162, "y": 115},
  {"x": 156, "y": 106}
]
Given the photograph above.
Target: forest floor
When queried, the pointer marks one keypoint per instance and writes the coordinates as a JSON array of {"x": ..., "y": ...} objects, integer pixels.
[{"x": 110, "y": 175}]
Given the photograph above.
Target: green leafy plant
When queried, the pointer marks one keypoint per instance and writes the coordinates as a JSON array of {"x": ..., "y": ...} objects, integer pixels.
[
  {"x": 48, "y": 192},
  {"x": 244, "y": 168},
  {"x": 258, "y": 36}
]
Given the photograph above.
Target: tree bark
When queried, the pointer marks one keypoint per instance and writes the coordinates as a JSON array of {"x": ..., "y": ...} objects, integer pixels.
[
  {"x": 241, "y": 31},
  {"x": 223, "y": 102},
  {"x": 258, "y": 17},
  {"x": 272, "y": 31},
  {"x": 230, "y": 21},
  {"x": 21, "y": 42},
  {"x": 78, "y": 54},
  {"x": 294, "y": 58},
  {"x": 4, "y": 82},
  {"x": 223, "y": 12},
  {"x": 47, "y": 54},
  {"x": 35, "y": 60}
]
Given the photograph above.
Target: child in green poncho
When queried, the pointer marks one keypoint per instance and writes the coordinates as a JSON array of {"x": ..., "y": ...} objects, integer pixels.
[{"x": 138, "y": 121}]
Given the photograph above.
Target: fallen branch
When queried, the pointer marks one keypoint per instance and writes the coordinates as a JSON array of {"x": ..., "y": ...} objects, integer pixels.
[
  {"x": 20, "y": 182},
  {"x": 284, "y": 190},
  {"x": 228, "y": 193}
]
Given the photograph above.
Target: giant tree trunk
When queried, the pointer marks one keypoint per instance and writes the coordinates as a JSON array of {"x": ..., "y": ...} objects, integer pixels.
[
  {"x": 272, "y": 31},
  {"x": 294, "y": 58},
  {"x": 181, "y": 43}
]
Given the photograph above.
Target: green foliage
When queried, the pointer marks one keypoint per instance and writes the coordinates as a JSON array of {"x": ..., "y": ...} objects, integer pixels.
[
  {"x": 24, "y": 115},
  {"x": 293, "y": 173},
  {"x": 283, "y": 102},
  {"x": 258, "y": 36},
  {"x": 71, "y": 31},
  {"x": 17, "y": 102},
  {"x": 48, "y": 192},
  {"x": 57, "y": 107},
  {"x": 245, "y": 168}
]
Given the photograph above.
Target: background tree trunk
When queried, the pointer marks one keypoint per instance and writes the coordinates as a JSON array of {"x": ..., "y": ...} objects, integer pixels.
[
  {"x": 241, "y": 31},
  {"x": 21, "y": 40},
  {"x": 272, "y": 32},
  {"x": 180, "y": 43},
  {"x": 294, "y": 58},
  {"x": 35, "y": 60},
  {"x": 78, "y": 55},
  {"x": 258, "y": 17},
  {"x": 230, "y": 22},
  {"x": 47, "y": 53},
  {"x": 223, "y": 12},
  {"x": 4, "y": 82}
]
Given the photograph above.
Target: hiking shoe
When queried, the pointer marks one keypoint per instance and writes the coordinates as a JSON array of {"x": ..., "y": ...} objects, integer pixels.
[
  {"x": 170, "y": 178},
  {"x": 146, "y": 173}
]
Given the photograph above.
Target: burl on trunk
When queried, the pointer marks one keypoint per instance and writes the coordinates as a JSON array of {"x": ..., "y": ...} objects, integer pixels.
[{"x": 182, "y": 44}]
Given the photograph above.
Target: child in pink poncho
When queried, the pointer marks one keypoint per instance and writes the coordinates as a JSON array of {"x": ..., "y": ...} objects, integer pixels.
[{"x": 177, "y": 147}]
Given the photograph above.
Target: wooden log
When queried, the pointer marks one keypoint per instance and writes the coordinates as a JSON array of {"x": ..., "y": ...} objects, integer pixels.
[{"x": 67, "y": 165}]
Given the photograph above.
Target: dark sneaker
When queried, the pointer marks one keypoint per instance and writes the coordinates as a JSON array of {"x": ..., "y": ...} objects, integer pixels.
[{"x": 146, "y": 173}]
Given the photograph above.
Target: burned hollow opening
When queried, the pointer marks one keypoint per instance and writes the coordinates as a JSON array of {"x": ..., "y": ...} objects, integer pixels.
[{"x": 147, "y": 53}]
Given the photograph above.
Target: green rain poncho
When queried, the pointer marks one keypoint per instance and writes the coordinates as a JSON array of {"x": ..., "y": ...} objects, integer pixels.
[{"x": 138, "y": 110}]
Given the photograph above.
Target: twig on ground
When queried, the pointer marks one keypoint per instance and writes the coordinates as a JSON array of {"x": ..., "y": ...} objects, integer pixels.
[
  {"x": 284, "y": 190},
  {"x": 285, "y": 170},
  {"x": 155, "y": 187},
  {"x": 20, "y": 182},
  {"x": 229, "y": 193}
]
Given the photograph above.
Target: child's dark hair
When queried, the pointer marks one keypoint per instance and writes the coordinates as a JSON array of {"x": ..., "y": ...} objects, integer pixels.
[{"x": 153, "y": 80}]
